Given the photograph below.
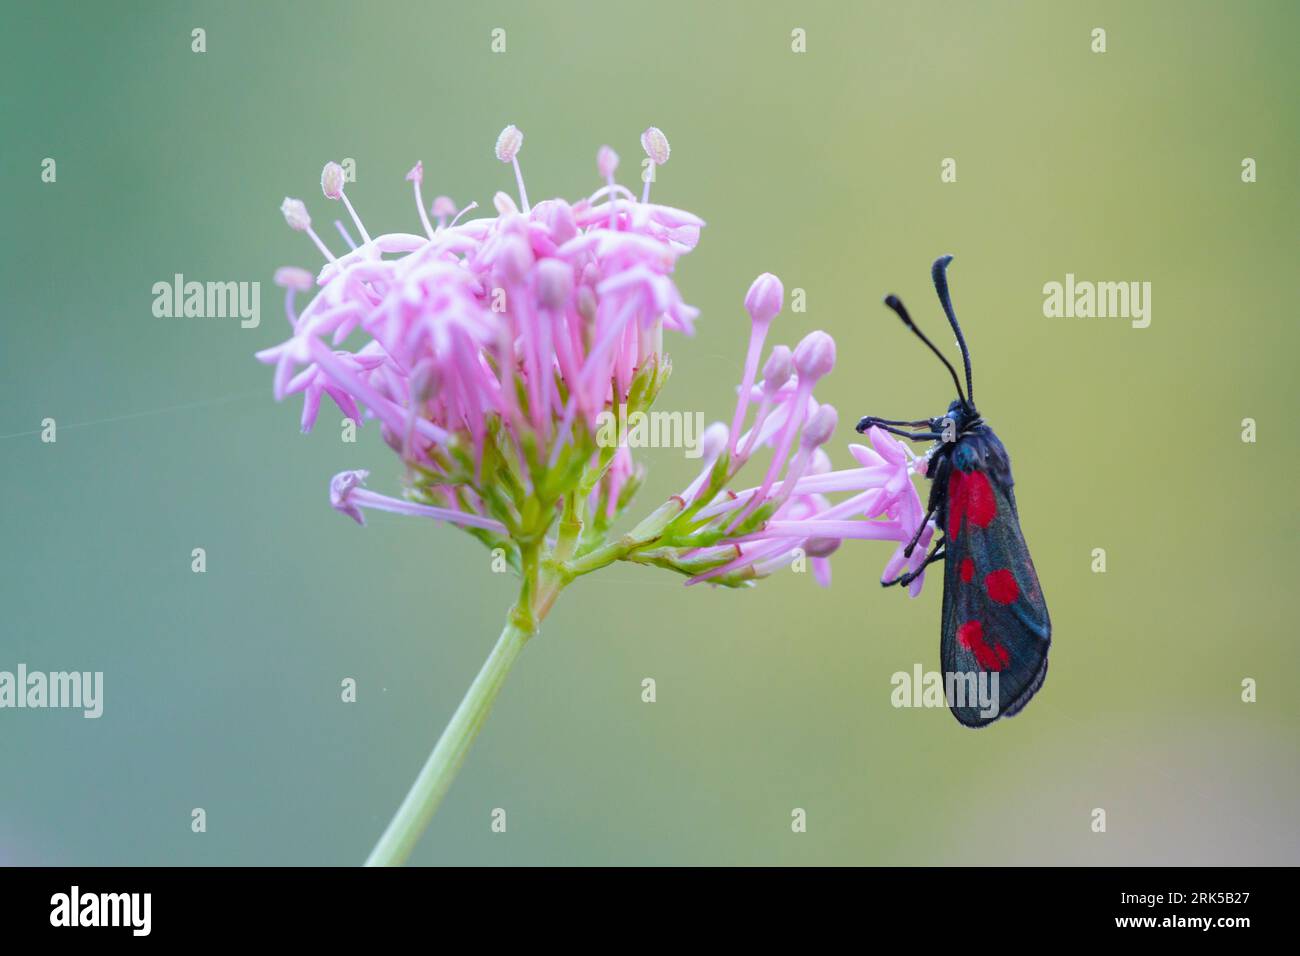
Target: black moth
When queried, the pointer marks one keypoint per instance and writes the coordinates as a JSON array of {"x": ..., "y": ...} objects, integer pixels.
[{"x": 995, "y": 630}]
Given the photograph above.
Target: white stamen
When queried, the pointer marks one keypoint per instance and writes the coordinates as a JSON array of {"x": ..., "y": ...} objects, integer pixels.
[
  {"x": 331, "y": 181},
  {"x": 331, "y": 184},
  {"x": 295, "y": 214},
  {"x": 655, "y": 144},
  {"x": 508, "y": 145},
  {"x": 365, "y": 236}
]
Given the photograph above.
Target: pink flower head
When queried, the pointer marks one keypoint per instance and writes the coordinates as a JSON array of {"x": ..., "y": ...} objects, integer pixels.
[{"x": 489, "y": 347}]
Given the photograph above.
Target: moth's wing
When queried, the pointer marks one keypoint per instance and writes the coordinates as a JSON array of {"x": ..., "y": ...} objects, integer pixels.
[{"x": 994, "y": 617}]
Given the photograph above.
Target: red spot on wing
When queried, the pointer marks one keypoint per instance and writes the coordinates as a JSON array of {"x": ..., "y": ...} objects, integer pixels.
[
  {"x": 969, "y": 496},
  {"x": 990, "y": 657},
  {"x": 967, "y": 570},
  {"x": 1001, "y": 585},
  {"x": 981, "y": 506}
]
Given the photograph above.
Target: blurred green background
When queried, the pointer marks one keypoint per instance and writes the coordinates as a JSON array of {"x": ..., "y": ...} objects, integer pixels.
[{"x": 222, "y": 689}]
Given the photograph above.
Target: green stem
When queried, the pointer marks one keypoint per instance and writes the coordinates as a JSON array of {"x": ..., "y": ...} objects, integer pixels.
[
  {"x": 644, "y": 533},
  {"x": 440, "y": 769}
]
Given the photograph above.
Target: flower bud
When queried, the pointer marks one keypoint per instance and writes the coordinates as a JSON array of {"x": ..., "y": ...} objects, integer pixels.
[
  {"x": 778, "y": 369},
  {"x": 505, "y": 204},
  {"x": 515, "y": 259},
  {"x": 821, "y": 547},
  {"x": 713, "y": 441},
  {"x": 559, "y": 220},
  {"x": 606, "y": 162},
  {"x": 814, "y": 356},
  {"x": 765, "y": 298},
  {"x": 820, "y": 427}
]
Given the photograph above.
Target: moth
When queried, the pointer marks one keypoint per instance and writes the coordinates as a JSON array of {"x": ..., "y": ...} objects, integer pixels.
[{"x": 995, "y": 627}]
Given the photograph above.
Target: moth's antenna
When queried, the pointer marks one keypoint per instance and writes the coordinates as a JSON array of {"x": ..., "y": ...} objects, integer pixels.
[
  {"x": 893, "y": 302},
  {"x": 939, "y": 273}
]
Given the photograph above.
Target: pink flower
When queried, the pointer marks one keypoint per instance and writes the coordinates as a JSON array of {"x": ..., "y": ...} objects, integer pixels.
[
  {"x": 489, "y": 347},
  {"x": 349, "y": 495}
]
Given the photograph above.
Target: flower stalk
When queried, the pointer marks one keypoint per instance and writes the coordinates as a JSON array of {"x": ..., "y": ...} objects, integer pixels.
[{"x": 439, "y": 770}]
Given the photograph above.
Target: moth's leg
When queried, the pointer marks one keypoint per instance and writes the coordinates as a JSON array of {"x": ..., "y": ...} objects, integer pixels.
[
  {"x": 920, "y": 529},
  {"x": 907, "y": 578},
  {"x": 939, "y": 470}
]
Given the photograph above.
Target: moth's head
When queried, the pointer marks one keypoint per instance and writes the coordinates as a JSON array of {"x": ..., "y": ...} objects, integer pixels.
[{"x": 962, "y": 414}]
